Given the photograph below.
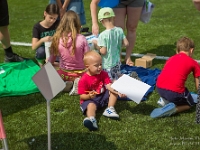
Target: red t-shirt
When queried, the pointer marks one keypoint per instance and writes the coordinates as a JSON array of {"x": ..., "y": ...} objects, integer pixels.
[
  {"x": 93, "y": 83},
  {"x": 175, "y": 72}
]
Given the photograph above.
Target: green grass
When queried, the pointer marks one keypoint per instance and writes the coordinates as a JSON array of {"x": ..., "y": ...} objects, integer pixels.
[{"x": 25, "y": 117}]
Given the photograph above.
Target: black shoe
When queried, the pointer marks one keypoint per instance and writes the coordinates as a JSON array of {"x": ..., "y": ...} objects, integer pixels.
[
  {"x": 13, "y": 58},
  {"x": 85, "y": 31}
]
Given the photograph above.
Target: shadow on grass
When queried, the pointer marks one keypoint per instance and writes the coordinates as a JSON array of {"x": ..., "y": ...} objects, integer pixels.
[
  {"x": 13, "y": 104},
  {"x": 70, "y": 141},
  {"x": 142, "y": 108},
  {"x": 162, "y": 50}
]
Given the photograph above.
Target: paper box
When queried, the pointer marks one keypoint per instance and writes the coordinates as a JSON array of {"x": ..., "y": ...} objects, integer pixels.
[{"x": 145, "y": 61}]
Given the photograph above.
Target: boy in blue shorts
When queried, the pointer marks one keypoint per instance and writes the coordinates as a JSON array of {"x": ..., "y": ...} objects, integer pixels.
[
  {"x": 95, "y": 91},
  {"x": 171, "y": 81}
]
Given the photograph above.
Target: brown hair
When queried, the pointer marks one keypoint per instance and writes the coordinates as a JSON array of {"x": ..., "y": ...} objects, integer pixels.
[
  {"x": 184, "y": 44},
  {"x": 70, "y": 23},
  {"x": 52, "y": 9}
]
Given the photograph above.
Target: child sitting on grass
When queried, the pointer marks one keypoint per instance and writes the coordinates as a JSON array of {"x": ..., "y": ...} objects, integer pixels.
[
  {"x": 43, "y": 32},
  {"x": 171, "y": 81},
  {"x": 70, "y": 46},
  {"x": 110, "y": 42},
  {"x": 95, "y": 91}
]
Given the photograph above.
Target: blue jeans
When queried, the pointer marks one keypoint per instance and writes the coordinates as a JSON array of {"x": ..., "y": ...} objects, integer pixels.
[{"x": 77, "y": 6}]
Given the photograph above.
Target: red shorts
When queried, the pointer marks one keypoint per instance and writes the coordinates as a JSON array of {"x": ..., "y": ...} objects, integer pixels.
[{"x": 70, "y": 75}]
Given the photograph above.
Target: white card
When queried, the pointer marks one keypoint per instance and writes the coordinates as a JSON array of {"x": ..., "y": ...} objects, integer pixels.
[{"x": 132, "y": 88}]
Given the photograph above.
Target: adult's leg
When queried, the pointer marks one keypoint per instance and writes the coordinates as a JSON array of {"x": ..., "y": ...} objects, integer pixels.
[
  {"x": 133, "y": 16},
  {"x": 4, "y": 37},
  {"x": 120, "y": 14},
  {"x": 4, "y": 34}
]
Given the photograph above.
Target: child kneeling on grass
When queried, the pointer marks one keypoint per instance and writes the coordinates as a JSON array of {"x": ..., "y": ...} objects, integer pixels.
[
  {"x": 171, "y": 81},
  {"x": 95, "y": 91}
]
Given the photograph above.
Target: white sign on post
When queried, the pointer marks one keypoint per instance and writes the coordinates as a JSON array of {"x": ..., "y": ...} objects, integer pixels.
[
  {"x": 50, "y": 84},
  {"x": 48, "y": 81},
  {"x": 132, "y": 88}
]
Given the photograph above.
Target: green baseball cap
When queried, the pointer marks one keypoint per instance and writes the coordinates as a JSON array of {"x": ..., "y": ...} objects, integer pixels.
[{"x": 105, "y": 12}]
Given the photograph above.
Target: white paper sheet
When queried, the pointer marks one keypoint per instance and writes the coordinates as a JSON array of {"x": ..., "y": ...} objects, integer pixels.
[{"x": 132, "y": 88}]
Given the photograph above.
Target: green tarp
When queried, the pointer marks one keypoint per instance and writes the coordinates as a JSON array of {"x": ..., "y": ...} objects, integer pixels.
[{"x": 16, "y": 78}]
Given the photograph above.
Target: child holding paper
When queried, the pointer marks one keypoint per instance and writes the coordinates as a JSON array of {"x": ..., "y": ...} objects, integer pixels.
[
  {"x": 70, "y": 46},
  {"x": 43, "y": 32},
  {"x": 171, "y": 81},
  {"x": 110, "y": 42},
  {"x": 95, "y": 91}
]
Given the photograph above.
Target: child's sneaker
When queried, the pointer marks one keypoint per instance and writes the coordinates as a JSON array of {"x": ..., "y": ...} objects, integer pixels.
[
  {"x": 162, "y": 102},
  {"x": 90, "y": 123},
  {"x": 68, "y": 86},
  {"x": 111, "y": 113},
  {"x": 74, "y": 90},
  {"x": 194, "y": 96},
  {"x": 165, "y": 111}
]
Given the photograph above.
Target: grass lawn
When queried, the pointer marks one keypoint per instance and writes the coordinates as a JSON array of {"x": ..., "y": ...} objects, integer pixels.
[{"x": 25, "y": 117}]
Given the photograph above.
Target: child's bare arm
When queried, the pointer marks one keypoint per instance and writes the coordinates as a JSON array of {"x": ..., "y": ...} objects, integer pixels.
[
  {"x": 108, "y": 86},
  {"x": 125, "y": 42},
  {"x": 196, "y": 80},
  {"x": 102, "y": 50}
]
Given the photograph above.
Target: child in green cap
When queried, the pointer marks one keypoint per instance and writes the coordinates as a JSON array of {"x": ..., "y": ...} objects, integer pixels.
[{"x": 110, "y": 42}]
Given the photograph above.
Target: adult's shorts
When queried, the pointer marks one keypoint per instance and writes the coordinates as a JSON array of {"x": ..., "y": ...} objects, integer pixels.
[
  {"x": 130, "y": 3},
  {"x": 4, "y": 16}
]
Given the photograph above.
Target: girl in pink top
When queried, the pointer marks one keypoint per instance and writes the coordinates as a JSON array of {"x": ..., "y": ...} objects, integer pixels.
[{"x": 70, "y": 46}]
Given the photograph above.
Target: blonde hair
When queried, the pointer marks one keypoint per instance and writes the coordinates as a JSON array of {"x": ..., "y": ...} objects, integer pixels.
[
  {"x": 184, "y": 44},
  {"x": 90, "y": 55},
  {"x": 70, "y": 23}
]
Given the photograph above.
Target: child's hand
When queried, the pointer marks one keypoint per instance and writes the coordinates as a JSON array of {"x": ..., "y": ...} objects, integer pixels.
[
  {"x": 92, "y": 94},
  {"x": 121, "y": 95},
  {"x": 125, "y": 42},
  {"x": 47, "y": 38},
  {"x": 94, "y": 42}
]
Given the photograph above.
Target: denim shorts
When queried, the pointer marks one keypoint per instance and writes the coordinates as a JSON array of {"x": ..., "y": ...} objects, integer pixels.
[
  {"x": 177, "y": 98},
  {"x": 101, "y": 100},
  {"x": 77, "y": 6},
  {"x": 130, "y": 3}
]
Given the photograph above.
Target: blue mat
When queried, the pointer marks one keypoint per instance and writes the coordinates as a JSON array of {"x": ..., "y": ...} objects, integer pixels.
[{"x": 148, "y": 76}]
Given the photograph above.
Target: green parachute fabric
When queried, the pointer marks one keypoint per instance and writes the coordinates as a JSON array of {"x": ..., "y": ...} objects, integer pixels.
[{"x": 16, "y": 78}]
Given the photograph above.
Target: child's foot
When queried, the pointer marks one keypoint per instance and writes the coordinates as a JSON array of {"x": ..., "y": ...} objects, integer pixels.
[
  {"x": 162, "y": 102},
  {"x": 165, "y": 111},
  {"x": 111, "y": 113},
  {"x": 74, "y": 90},
  {"x": 91, "y": 124}
]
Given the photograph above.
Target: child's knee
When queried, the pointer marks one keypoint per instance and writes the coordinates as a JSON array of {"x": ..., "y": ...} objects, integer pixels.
[{"x": 91, "y": 106}]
